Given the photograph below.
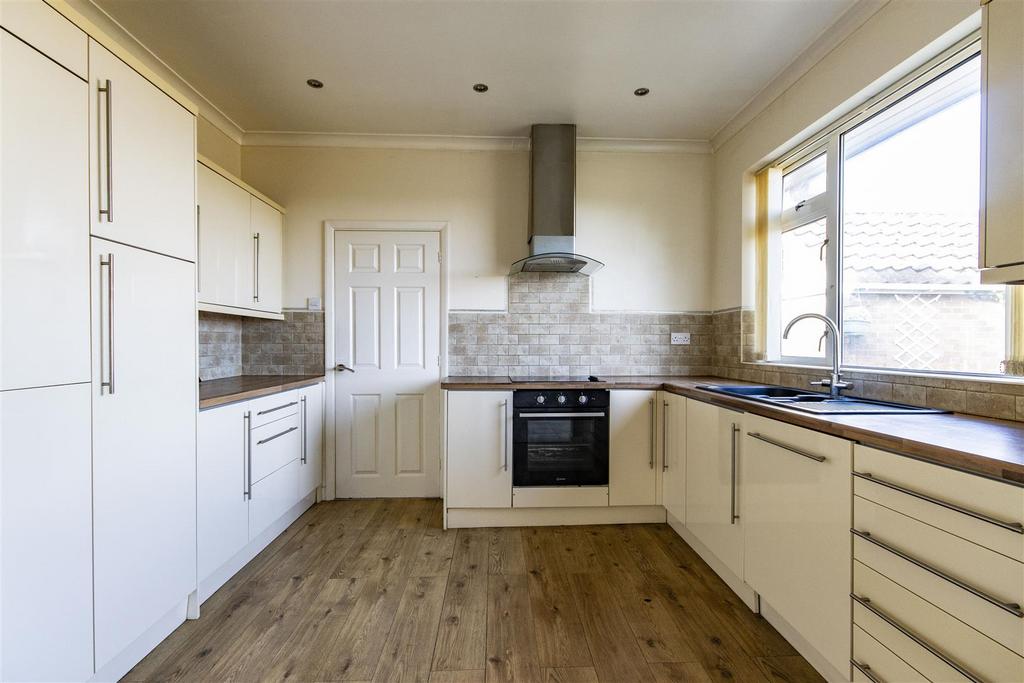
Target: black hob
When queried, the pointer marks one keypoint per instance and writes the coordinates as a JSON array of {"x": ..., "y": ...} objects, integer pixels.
[{"x": 555, "y": 378}]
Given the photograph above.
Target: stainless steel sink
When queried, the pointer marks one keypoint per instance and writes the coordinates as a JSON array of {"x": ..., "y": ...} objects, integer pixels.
[{"x": 813, "y": 402}]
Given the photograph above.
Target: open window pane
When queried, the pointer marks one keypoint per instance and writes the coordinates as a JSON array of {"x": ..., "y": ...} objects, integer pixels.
[
  {"x": 804, "y": 182},
  {"x": 803, "y": 288},
  {"x": 911, "y": 294}
]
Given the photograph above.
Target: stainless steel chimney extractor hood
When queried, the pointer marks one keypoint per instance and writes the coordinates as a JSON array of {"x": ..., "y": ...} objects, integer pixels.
[{"x": 553, "y": 204}]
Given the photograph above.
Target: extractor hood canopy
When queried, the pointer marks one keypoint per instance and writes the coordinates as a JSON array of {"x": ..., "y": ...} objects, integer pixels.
[{"x": 553, "y": 204}]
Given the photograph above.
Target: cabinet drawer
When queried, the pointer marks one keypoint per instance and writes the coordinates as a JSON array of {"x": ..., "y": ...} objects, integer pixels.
[
  {"x": 272, "y": 497},
  {"x": 974, "y": 652},
  {"x": 980, "y": 587},
  {"x": 274, "y": 407},
  {"x": 274, "y": 445},
  {"x": 908, "y": 646},
  {"x": 879, "y": 661},
  {"x": 986, "y": 512}
]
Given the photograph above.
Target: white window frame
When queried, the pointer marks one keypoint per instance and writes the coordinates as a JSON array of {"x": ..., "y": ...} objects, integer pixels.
[{"x": 829, "y": 204}]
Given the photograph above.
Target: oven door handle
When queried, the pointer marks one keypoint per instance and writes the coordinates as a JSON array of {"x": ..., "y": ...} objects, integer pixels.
[{"x": 547, "y": 415}]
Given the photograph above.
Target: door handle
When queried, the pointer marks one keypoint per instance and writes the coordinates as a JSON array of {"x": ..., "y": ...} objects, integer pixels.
[
  {"x": 341, "y": 367},
  {"x": 664, "y": 436},
  {"x": 733, "y": 516},
  {"x": 256, "y": 268},
  {"x": 108, "y": 263},
  {"x": 654, "y": 422},
  {"x": 504, "y": 434},
  {"x": 107, "y": 90},
  {"x": 247, "y": 492},
  {"x": 303, "y": 406}
]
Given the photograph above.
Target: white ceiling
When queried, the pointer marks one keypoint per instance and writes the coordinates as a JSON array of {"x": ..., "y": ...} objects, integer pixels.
[{"x": 404, "y": 67}]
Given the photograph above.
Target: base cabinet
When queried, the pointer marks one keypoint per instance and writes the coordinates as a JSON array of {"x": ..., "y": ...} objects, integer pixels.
[
  {"x": 223, "y": 499},
  {"x": 272, "y": 496},
  {"x": 46, "y": 517},
  {"x": 632, "y": 448},
  {"x": 796, "y": 509},
  {"x": 712, "y": 481},
  {"x": 478, "y": 464},
  {"x": 673, "y": 455}
]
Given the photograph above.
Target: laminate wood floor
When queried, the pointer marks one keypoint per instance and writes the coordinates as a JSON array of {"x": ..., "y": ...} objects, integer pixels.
[{"x": 374, "y": 590}]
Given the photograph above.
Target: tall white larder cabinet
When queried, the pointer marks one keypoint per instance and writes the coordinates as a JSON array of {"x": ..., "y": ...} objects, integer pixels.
[
  {"x": 45, "y": 469},
  {"x": 142, "y": 147}
]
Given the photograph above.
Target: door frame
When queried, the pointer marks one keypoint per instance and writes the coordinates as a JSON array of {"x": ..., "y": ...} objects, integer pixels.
[{"x": 329, "y": 490}]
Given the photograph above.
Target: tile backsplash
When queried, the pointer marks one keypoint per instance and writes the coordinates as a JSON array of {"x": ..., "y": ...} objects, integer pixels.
[
  {"x": 233, "y": 345},
  {"x": 550, "y": 330}
]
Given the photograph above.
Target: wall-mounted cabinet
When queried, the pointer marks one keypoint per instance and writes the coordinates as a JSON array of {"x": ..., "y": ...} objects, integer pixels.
[
  {"x": 1002, "y": 197},
  {"x": 240, "y": 237}
]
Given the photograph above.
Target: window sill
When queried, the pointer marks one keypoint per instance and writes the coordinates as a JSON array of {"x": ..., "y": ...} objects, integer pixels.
[{"x": 861, "y": 373}]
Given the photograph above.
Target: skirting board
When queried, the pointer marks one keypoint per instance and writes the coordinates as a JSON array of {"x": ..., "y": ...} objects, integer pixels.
[
  {"x": 209, "y": 585},
  {"x": 464, "y": 518},
  {"x": 121, "y": 664},
  {"x": 745, "y": 592},
  {"x": 806, "y": 650}
]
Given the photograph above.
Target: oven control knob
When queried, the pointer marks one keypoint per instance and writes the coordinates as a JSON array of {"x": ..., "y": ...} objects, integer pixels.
[
  {"x": 561, "y": 398},
  {"x": 540, "y": 399},
  {"x": 582, "y": 399}
]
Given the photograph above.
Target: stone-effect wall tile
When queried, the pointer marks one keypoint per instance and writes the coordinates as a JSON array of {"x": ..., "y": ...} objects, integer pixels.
[
  {"x": 220, "y": 345},
  {"x": 550, "y": 330},
  {"x": 293, "y": 346}
]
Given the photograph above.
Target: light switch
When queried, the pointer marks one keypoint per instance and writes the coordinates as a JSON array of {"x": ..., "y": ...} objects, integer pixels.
[
  {"x": 314, "y": 303},
  {"x": 680, "y": 337}
]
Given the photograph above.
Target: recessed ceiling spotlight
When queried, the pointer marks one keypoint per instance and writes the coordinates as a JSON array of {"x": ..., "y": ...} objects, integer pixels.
[
  {"x": 314, "y": 83},
  {"x": 480, "y": 87},
  {"x": 640, "y": 92}
]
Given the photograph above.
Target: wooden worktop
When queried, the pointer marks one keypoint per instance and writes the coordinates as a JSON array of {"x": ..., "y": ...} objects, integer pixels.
[
  {"x": 216, "y": 392},
  {"x": 993, "y": 448}
]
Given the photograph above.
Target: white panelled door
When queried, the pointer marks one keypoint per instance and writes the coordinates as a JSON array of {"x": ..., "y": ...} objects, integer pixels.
[{"x": 387, "y": 306}]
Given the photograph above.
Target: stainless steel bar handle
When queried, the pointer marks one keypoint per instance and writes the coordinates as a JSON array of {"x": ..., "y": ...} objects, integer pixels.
[
  {"x": 653, "y": 432},
  {"x": 247, "y": 493},
  {"x": 887, "y": 618},
  {"x": 303, "y": 399},
  {"x": 1015, "y": 527},
  {"x": 504, "y": 434},
  {"x": 1011, "y": 607},
  {"x": 276, "y": 436},
  {"x": 256, "y": 268},
  {"x": 107, "y": 90},
  {"x": 866, "y": 670},
  {"x": 199, "y": 241},
  {"x": 108, "y": 263},
  {"x": 732, "y": 481},
  {"x": 664, "y": 436},
  {"x": 276, "y": 408},
  {"x": 786, "y": 447},
  {"x": 551, "y": 415}
]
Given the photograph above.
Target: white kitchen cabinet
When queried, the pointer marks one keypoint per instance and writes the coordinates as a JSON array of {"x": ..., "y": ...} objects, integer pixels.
[
  {"x": 46, "y": 516},
  {"x": 44, "y": 334},
  {"x": 268, "y": 229},
  {"x": 479, "y": 456},
  {"x": 1002, "y": 199},
  {"x": 222, "y": 225},
  {"x": 240, "y": 246},
  {"x": 273, "y": 496},
  {"x": 796, "y": 509},
  {"x": 222, "y": 494},
  {"x": 45, "y": 29},
  {"x": 142, "y": 160},
  {"x": 712, "y": 481},
  {"x": 632, "y": 448},
  {"x": 144, "y": 440},
  {"x": 673, "y": 455},
  {"x": 312, "y": 414}
]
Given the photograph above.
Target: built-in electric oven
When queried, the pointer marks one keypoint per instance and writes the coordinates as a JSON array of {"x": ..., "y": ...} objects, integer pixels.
[{"x": 560, "y": 438}]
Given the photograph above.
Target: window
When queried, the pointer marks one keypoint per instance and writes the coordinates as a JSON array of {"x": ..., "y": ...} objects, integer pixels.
[{"x": 877, "y": 227}]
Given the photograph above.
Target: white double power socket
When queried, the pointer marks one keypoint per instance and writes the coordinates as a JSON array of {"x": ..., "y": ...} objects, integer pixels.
[{"x": 680, "y": 337}]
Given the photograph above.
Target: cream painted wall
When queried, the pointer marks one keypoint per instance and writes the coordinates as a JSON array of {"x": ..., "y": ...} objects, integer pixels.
[
  {"x": 896, "y": 39},
  {"x": 645, "y": 215},
  {"x": 648, "y": 218},
  {"x": 212, "y": 143}
]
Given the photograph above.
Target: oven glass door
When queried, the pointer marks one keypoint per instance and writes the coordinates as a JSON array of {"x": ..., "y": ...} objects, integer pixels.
[{"x": 560, "y": 449}]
